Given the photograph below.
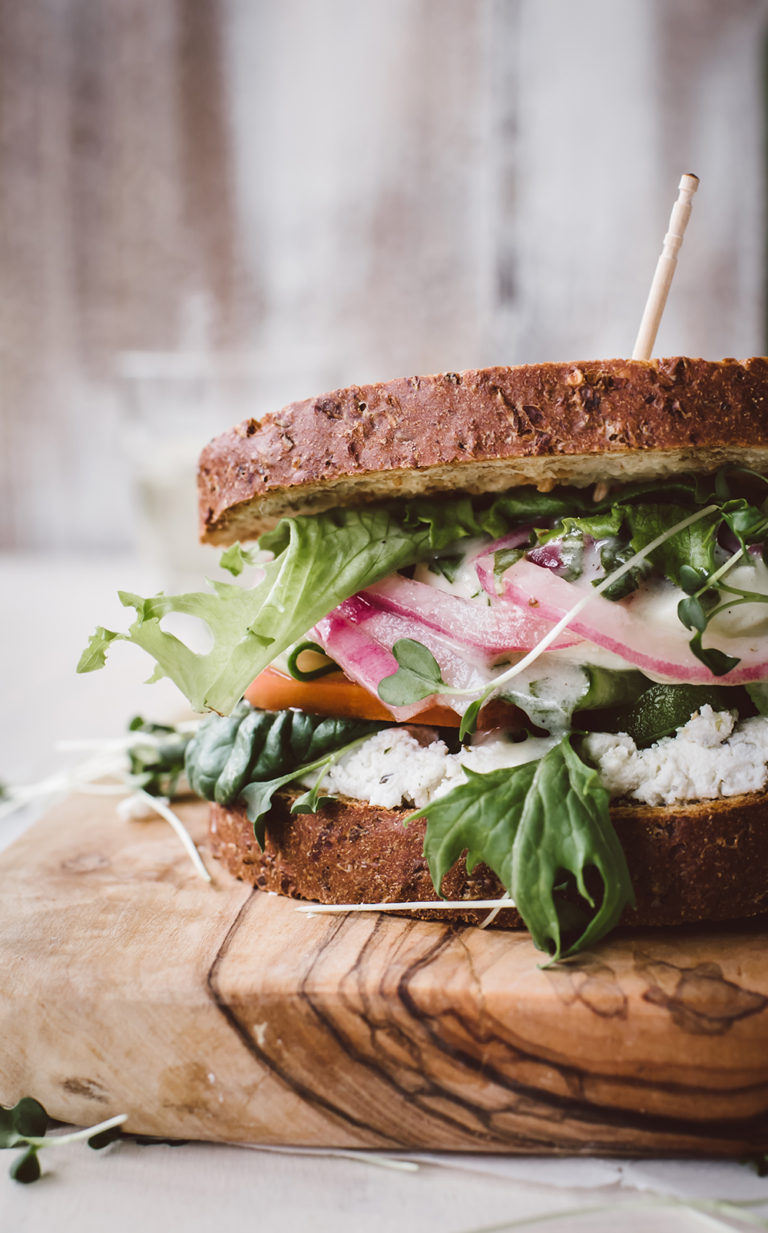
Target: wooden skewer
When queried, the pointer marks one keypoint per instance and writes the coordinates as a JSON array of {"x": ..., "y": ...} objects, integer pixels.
[{"x": 665, "y": 268}]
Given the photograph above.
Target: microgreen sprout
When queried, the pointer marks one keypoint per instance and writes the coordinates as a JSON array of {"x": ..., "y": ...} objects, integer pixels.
[
  {"x": 418, "y": 675},
  {"x": 25, "y": 1125},
  {"x": 147, "y": 766},
  {"x": 701, "y": 605}
]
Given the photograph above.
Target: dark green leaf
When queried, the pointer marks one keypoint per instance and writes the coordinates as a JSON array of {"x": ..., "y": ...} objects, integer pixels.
[
  {"x": 210, "y": 750},
  {"x": 503, "y": 558},
  {"x": 30, "y": 1118},
  {"x": 691, "y": 613},
  {"x": 717, "y": 661},
  {"x": 257, "y": 798},
  {"x": 608, "y": 688},
  {"x": 469, "y": 718},
  {"x": 447, "y": 566},
  {"x": 25, "y": 1120},
  {"x": 528, "y": 505},
  {"x": 604, "y": 525},
  {"x": 418, "y": 675},
  {"x": 565, "y": 828},
  {"x": 539, "y": 826},
  {"x": 252, "y": 746},
  {"x": 104, "y": 1137},
  {"x": 691, "y": 580},
  {"x": 749, "y": 524},
  {"x": 250, "y": 754},
  {"x": 693, "y": 547},
  {"x": 26, "y": 1168},
  {"x": 683, "y": 489}
]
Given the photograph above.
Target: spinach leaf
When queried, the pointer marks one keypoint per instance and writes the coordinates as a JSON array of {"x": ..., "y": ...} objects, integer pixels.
[
  {"x": 250, "y": 754},
  {"x": 545, "y": 830},
  {"x": 251, "y": 746}
]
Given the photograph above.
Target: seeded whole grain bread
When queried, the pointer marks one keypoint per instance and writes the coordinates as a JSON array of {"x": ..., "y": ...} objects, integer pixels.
[
  {"x": 706, "y": 860},
  {"x": 484, "y": 431}
]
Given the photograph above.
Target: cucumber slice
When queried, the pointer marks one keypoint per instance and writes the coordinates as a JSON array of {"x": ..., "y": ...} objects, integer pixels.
[{"x": 662, "y": 709}]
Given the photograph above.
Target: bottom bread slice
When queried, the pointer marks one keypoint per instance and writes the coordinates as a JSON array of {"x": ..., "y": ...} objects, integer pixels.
[{"x": 706, "y": 860}]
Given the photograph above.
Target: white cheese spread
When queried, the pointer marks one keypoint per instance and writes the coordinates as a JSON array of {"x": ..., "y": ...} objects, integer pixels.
[
  {"x": 711, "y": 756},
  {"x": 708, "y": 757},
  {"x": 392, "y": 768}
]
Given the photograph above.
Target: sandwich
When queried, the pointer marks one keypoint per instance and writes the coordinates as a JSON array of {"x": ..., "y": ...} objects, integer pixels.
[{"x": 500, "y": 640}]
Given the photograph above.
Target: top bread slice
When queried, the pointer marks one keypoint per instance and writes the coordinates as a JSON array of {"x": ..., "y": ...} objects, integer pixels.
[{"x": 484, "y": 430}]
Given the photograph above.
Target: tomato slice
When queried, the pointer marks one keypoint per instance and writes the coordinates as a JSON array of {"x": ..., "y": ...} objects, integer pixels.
[{"x": 335, "y": 694}]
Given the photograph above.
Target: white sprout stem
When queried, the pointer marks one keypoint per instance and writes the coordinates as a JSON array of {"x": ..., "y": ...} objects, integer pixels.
[
  {"x": 716, "y": 1211},
  {"x": 436, "y": 905},
  {"x": 117, "y": 743},
  {"x": 719, "y": 573},
  {"x": 79, "y": 779},
  {"x": 180, "y": 829},
  {"x": 359, "y": 1157},
  {"x": 504, "y": 902},
  {"x": 76, "y": 1135}
]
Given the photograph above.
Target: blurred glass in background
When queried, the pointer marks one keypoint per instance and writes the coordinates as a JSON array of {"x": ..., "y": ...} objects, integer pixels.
[{"x": 172, "y": 403}]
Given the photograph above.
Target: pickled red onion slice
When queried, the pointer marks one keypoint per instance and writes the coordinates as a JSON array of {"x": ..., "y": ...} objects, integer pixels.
[{"x": 659, "y": 651}]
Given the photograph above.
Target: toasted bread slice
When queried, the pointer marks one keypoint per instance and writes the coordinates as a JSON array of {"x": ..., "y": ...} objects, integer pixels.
[
  {"x": 706, "y": 860},
  {"x": 484, "y": 431}
]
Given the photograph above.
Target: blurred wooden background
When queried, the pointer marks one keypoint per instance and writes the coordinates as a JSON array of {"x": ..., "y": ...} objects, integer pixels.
[{"x": 345, "y": 191}]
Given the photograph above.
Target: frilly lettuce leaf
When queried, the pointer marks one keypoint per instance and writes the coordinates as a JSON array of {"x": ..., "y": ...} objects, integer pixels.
[{"x": 319, "y": 561}]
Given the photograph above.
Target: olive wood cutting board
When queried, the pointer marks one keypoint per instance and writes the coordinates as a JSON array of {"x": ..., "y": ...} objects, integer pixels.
[{"x": 218, "y": 1012}]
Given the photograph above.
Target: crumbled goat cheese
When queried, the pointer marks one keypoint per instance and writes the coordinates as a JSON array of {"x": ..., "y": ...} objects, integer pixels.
[
  {"x": 708, "y": 757},
  {"x": 392, "y": 769}
]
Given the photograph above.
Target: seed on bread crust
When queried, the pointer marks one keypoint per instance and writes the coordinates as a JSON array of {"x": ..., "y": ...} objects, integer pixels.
[{"x": 484, "y": 430}]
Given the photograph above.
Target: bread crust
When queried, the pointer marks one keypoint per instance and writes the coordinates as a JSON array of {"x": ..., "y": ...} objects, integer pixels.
[
  {"x": 702, "y": 861},
  {"x": 484, "y": 430}
]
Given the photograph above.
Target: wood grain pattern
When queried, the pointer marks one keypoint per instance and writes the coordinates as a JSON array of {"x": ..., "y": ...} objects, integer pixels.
[{"x": 221, "y": 1013}]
